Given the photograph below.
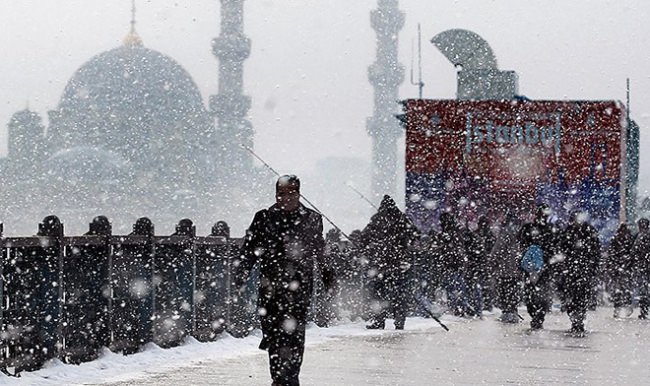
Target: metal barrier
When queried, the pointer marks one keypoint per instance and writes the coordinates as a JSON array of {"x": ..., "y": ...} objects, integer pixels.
[
  {"x": 174, "y": 289},
  {"x": 31, "y": 288},
  {"x": 86, "y": 291},
  {"x": 67, "y": 297},
  {"x": 132, "y": 298},
  {"x": 213, "y": 285}
]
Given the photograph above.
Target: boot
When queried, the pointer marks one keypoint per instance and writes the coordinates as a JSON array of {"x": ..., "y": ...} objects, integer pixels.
[
  {"x": 509, "y": 317},
  {"x": 376, "y": 325},
  {"x": 536, "y": 324},
  {"x": 577, "y": 328}
]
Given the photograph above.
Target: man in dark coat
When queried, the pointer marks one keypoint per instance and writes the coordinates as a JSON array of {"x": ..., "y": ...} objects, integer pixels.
[
  {"x": 537, "y": 291},
  {"x": 504, "y": 259},
  {"x": 486, "y": 240},
  {"x": 641, "y": 255},
  {"x": 478, "y": 245},
  {"x": 450, "y": 250},
  {"x": 386, "y": 239},
  {"x": 619, "y": 268},
  {"x": 580, "y": 247},
  {"x": 287, "y": 240}
]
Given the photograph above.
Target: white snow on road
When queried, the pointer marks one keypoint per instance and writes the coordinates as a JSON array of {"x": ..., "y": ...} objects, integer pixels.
[{"x": 112, "y": 367}]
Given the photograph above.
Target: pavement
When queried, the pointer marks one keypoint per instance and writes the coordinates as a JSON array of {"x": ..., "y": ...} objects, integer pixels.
[{"x": 473, "y": 352}]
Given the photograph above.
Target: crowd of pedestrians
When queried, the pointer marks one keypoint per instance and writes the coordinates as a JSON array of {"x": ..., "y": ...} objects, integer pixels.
[{"x": 473, "y": 269}]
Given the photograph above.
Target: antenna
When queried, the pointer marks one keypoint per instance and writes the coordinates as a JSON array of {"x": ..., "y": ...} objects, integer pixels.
[
  {"x": 132, "y": 15},
  {"x": 419, "y": 83},
  {"x": 628, "y": 99}
]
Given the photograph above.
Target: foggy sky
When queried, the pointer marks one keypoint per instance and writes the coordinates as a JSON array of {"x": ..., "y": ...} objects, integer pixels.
[{"x": 307, "y": 73}]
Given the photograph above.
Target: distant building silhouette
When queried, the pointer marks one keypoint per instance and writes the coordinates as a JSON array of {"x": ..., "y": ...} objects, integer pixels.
[{"x": 131, "y": 133}]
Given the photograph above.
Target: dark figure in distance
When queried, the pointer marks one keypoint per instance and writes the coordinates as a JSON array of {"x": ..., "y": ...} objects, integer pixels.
[
  {"x": 486, "y": 241},
  {"x": 537, "y": 291},
  {"x": 478, "y": 245},
  {"x": 580, "y": 246},
  {"x": 287, "y": 240},
  {"x": 620, "y": 268},
  {"x": 386, "y": 239},
  {"x": 449, "y": 248},
  {"x": 641, "y": 255},
  {"x": 504, "y": 259}
]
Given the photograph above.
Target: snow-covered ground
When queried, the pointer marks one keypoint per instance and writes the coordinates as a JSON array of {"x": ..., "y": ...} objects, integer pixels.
[
  {"x": 112, "y": 367},
  {"x": 487, "y": 352}
]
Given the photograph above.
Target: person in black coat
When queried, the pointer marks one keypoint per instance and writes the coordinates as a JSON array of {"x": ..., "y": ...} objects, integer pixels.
[
  {"x": 287, "y": 240},
  {"x": 641, "y": 256},
  {"x": 537, "y": 291},
  {"x": 504, "y": 262},
  {"x": 486, "y": 240},
  {"x": 450, "y": 249},
  {"x": 580, "y": 247},
  {"x": 619, "y": 268},
  {"x": 386, "y": 239},
  {"x": 478, "y": 245}
]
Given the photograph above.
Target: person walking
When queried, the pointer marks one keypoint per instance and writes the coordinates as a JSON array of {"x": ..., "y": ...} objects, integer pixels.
[
  {"x": 478, "y": 245},
  {"x": 504, "y": 259},
  {"x": 485, "y": 242},
  {"x": 619, "y": 268},
  {"x": 386, "y": 239},
  {"x": 641, "y": 256},
  {"x": 538, "y": 236},
  {"x": 580, "y": 247},
  {"x": 287, "y": 241},
  {"x": 450, "y": 250}
]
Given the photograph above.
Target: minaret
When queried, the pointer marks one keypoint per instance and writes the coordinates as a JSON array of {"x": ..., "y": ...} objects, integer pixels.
[
  {"x": 385, "y": 75},
  {"x": 25, "y": 150},
  {"x": 230, "y": 106}
]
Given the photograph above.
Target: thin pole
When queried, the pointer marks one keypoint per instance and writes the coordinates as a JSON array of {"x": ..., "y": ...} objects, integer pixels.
[
  {"x": 420, "y": 83},
  {"x": 628, "y": 98},
  {"x": 362, "y": 196}
]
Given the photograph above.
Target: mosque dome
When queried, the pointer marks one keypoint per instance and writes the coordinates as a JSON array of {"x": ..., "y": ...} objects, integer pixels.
[{"x": 129, "y": 99}]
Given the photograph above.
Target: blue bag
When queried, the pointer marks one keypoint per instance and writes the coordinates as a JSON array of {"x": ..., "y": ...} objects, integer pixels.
[{"x": 533, "y": 259}]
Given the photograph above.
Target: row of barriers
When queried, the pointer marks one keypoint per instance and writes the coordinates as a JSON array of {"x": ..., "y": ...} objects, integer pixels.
[{"x": 67, "y": 297}]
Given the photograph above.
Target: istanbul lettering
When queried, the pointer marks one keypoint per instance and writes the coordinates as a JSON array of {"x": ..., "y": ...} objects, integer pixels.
[{"x": 527, "y": 133}]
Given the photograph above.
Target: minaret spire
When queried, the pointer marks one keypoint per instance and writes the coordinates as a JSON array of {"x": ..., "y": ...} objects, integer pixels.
[
  {"x": 132, "y": 38},
  {"x": 385, "y": 75},
  {"x": 230, "y": 106},
  {"x": 133, "y": 16}
]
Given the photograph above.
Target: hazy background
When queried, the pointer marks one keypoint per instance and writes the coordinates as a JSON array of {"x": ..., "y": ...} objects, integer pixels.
[{"x": 307, "y": 73}]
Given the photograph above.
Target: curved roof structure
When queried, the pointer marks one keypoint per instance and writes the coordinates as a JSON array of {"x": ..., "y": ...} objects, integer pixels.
[
  {"x": 126, "y": 100},
  {"x": 466, "y": 49}
]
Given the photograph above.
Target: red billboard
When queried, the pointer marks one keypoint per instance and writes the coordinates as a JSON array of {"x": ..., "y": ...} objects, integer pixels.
[{"x": 480, "y": 156}]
